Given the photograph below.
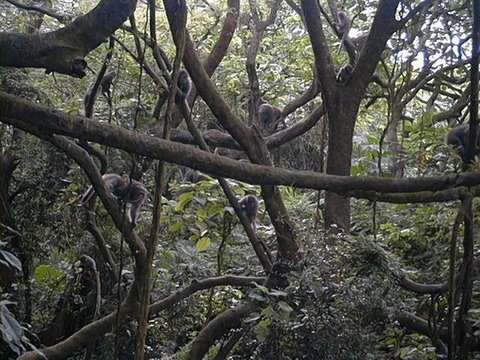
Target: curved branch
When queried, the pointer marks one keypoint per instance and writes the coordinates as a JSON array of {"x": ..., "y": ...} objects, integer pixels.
[
  {"x": 417, "y": 324},
  {"x": 215, "y": 329},
  {"x": 40, "y": 9},
  {"x": 284, "y": 136},
  {"x": 99, "y": 327},
  {"x": 226, "y": 34},
  {"x": 78, "y": 340},
  {"x": 309, "y": 94},
  {"x": 63, "y": 50},
  {"x": 197, "y": 285},
  {"x": 420, "y": 288}
]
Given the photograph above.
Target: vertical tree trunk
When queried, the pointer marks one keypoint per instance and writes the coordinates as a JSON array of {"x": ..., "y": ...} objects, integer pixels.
[
  {"x": 397, "y": 164},
  {"x": 341, "y": 121}
]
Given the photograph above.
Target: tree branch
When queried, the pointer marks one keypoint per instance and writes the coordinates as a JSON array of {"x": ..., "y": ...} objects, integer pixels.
[
  {"x": 38, "y": 120},
  {"x": 63, "y": 50},
  {"x": 42, "y": 10}
]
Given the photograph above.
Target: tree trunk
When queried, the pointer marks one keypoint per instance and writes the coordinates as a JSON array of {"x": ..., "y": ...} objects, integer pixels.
[
  {"x": 342, "y": 114},
  {"x": 397, "y": 164}
]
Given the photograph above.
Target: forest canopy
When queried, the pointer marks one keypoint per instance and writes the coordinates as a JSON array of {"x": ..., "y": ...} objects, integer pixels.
[{"x": 239, "y": 180}]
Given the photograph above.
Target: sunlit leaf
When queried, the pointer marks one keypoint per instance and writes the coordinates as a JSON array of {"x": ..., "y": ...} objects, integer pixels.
[
  {"x": 203, "y": 244},
  {"x": 183, "y": 200}
]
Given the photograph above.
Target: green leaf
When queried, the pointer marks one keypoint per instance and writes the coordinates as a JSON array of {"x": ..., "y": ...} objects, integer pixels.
[
  {"x": 203, "y": 244},
  {"x": 427, "y": 117},
  {"x": 263, "y": 329},
  {"x": 183, "y": 200},
  {"x": 176, "y": 227},
  {"x": 11, "y": 259},
  {"x": 47, "y": 274},
  {"x": 202, "y": 213}
]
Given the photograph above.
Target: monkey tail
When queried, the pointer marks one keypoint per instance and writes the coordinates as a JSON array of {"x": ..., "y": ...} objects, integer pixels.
[{"x": 87, "y": 195}]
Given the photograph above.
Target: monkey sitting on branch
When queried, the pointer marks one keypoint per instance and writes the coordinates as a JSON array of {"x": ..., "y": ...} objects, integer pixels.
[
  {"x": 133, "y": 192},
  {"x": 184, "y": 86},
  {"x": 249, "y": 206},
  {"x": 269, "y": 117},
  {"x": 458, "y": 137},
  {"x": 106, "y": 85},
  {"x": 106, "y": 89},
  {"x": 343, "y": 26}
]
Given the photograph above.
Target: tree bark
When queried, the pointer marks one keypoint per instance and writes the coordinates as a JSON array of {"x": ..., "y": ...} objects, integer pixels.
[
  {"x": 63, "y": 50},
  {"x": 342, "y": 115}
]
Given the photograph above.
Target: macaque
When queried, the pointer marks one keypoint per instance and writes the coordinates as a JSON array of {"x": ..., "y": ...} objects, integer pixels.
[
  {"x": 344, "y": 74},
  {"x": 249, "y": 206},
  {"x": 106, "y": 84},
  {"x": 343, "y": 27},
  {"x": 458, "y": 137},
  {"x": 77, "y": 68},
  {"x": 132, "y": 192},
  {"x": 184, "y": 86},
  {"x": 269, "y": 117}
]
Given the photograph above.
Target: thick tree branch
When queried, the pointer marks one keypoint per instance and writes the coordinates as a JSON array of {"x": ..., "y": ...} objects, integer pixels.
[
  {"x": 323, "y": 60},
  {"x": 383, "y": 26},
  {"x": 38, "y": 119},
  {"x": 284, "y": 136},
  {"x": 215, "y": 329},
  {"x": 226, "y": 34},
  {"x": 417, "y": 197},
  {"x": 309, "y": 94},
  {"x": 63, "y": 50},
  {"x": 99, "y": 327}
]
